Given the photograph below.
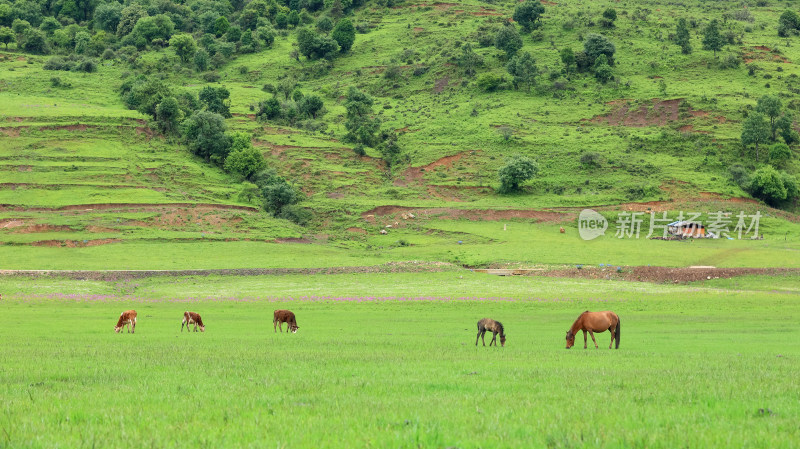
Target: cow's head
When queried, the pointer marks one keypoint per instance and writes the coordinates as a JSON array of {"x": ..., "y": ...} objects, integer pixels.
[
  {"x": 202, "y": 328},
  {"x": 294, "y": 328},
  {"x": 117, "y": 329}
]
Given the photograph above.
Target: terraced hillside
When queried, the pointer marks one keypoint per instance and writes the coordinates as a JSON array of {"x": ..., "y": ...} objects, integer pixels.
[{"x": 86, "y": 181}]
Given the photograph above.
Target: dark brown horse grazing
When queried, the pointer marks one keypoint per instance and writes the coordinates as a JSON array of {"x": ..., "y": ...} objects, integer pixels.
[
  {"x": 595, "y": 322},
  {"x": 496, "y": 327},
  {"x": 281, "y": 316}
]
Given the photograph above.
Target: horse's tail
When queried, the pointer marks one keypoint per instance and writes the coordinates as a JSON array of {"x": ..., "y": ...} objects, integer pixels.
[{"x": 616, "y": 331}]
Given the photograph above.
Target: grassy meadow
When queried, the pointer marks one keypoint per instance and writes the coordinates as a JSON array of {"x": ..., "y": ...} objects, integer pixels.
[{"x": 388, "y": 360}]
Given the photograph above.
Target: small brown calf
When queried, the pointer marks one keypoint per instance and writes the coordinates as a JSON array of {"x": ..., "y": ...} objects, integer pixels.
[
  {"x": 190, "y": 318},
  {"x": 127, "y": 317},
  {"x": 284, "y": 316}
]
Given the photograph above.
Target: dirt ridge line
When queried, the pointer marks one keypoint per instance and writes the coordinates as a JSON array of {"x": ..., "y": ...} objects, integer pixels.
[
  {"x": 106, "y": 206},
  {"x": 111, "y": 275}
]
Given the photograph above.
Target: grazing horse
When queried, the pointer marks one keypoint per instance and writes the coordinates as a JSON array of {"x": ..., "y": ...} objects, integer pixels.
[
  {"x": 488, "y": 324},
  {"x": 192, "y": 318},
  {"x": 595, "y": 322},
  {"x": 281, "y": 316},
  {"x": 127, "y": 317}
]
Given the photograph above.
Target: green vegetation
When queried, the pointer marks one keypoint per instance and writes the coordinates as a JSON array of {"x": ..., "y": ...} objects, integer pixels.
[{"x": 360, "y": 365}]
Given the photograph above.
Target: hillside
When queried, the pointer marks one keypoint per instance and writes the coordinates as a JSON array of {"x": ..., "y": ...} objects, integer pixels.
[{"x": 86, "y": 182}]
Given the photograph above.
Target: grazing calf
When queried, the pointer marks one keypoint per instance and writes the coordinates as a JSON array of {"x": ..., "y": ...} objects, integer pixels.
[
  {"x": 127, "y": 317},
  {"x": 284, "y": 316},
  {"x": 192, "y": 318},
  {"x": 496, "y": 327}
]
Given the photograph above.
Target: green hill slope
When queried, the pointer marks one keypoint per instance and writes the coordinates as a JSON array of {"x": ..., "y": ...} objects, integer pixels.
[{"x": 86, "y": 182}]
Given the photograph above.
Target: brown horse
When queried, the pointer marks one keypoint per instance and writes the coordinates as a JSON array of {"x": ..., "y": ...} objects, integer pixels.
[
  {"x": 496, "y": 327},
  {"x": 595, "y": 322}
]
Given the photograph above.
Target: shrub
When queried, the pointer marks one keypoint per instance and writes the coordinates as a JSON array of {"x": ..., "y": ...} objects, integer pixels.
[{"x": 517, "y": 170}]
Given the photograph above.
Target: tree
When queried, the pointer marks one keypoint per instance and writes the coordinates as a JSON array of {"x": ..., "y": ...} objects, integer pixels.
[
  {"x": 156, "y": 27},
  {"x": 517, "y": 170},
  {"x": 523, "y": 68},
  {"x": 6, "y": 36},
  {"x": 50, "y": 24},
  {"x": 768, "y": 184},
  {"x": 711, "y": 37},
  {"x": 325, "y": 24},
  {"x": 201, "y": 60},
  {"x": 779, "y": 155},
  {"x": 311, "y": 105},
  {"x": 314, "y": 46},
  {"x": 244, "y": 160},
  {"x": 215, "y": 99},
  {"x": 144, "y": 94},
  {"x": 184, "y": 46},
  {"x": 755, "y": 131},
  {"x": 344, "y": 33},
  {"x": 602, "y": 71},
  {"x": 595, "y": 45},
  {"x": 568, "y": 58},
  {"x": 682, "y": 37},
  {"x": 168, "y": 115},
  {"x": 360, "y": 124},
  {"x": 508, "y": 40},
  {"x": 609, "y": 16},
  {"x": 469, "y": 61},
  {"x": 107, "y": 16},
  {"x": 269, "y": 110},
  {"x": 130, "y": 15},
  {"x": 771, "y": 107},
  {"x": 528, "y": 13},
  {"x": 785, "y": 125},
  {"x": 34, "y": 41},
  {"x": 221, "y": 26},
  {"x": 279, "y": 194},
  {"x": 788, "y": 24},
  {"x": 204, "y": 133},
  {"x": 82, "y": 39}
]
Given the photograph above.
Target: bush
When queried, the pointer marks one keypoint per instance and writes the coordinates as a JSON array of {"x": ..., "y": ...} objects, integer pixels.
[
  {"x": 490, "y": 82},
  {"x": 779, "y": 155},
  {"x": 591, "y": 159},
  {"x": 204, "y": 133},
  {"x": 768, "y": 184},
  {"x": 296, "y": 214}
]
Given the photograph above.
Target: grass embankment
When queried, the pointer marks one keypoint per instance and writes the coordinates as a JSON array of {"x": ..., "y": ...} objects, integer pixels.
[{"x": 698, "y": 365}]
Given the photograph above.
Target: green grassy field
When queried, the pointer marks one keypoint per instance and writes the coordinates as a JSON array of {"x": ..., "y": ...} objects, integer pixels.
[{"x": 388, "y": 360}]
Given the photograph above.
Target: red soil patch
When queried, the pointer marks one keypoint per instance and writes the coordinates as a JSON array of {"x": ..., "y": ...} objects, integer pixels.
[
  {"x": 75, "y": 243},
  {"x": 416, "y": 174},
  {"x": 761, "y": 52},
  {"x": 37, "y": 228},
  {"x": 11, "y": 223},
  {"x": 657, "y": 113},
  {"x": 405, "y": 130},
  {"x": 11, "y": 131},
  {"x": 441, "y": 84},
  {"x": 690, "y": 129},
  {"x": 78, "y": 127},
  {"x": 418, "y": 29},
  {"x": 273, "y": 130},
  {"x": 544, "y": 2},
  {"x": 100, "y": 229},
  {"x": 356, "y": 230},
  {"x": 292, "y": 240}
]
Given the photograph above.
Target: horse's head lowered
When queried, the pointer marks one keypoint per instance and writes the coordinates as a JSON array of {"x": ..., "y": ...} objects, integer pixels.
[
  {"x": 570, "y": 339},
  {"x": 502, "y": 340}
]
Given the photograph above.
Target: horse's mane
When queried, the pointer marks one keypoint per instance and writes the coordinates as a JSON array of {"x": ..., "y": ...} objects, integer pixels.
[{"x": 500, "y": 325}]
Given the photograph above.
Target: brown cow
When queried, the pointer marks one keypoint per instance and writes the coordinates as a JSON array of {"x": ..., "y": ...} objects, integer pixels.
[
  {"x": 127, "y": 317},
  {"x": 192, "y": 318},
  {"x": 284, "y": 316}
]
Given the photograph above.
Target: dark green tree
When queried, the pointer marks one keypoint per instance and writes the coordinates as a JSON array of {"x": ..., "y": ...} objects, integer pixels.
[
  {"x": 767, "y": 184},
  {"x": 344, "y": 33},
  {"x": 517, "y": 170},
  {"x": 786, "y": 126},
  {"x": 360, "y": 124},
  {"x": 508, "y": 40},
  {"x": 204, "y": 134},
  {"x": 34, "y": 41},
  {"x": 779, "y": 155},
  {"x": 6, "y": 36},
  {"x": 528, "y": 13},
  {"x": 325, "y": 24},
  {"x": 609, "y": 17},
  {"x": 107, "y": 16},
  {"x": 602, "y": 70},
  {"x": 755, "y": 131},
  {"x": 168, "y": 115},
  {"x": 314, "y": 46},
  {"x": 130, "y": 15},
  {"x": 311, "y": 105},
  {"x": 788, "y": 24},
  {"x": 469, "y": 61},
  {"x": 184, "y": 46},
  {"x": 244, "y": 160},
  {"x": 278, "y": 195},
  {"x": 682, "y": 37},
  {"x": 216, "y": 100},
  {"x": 712, "y": 40},
  {"x": 221, "y": 26},
  {"x": 568, "y": 58},
  {"x": 522, "y": 68},
  {"x": 595, "y": 45},
  {"x": 771, "y": 107}
]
